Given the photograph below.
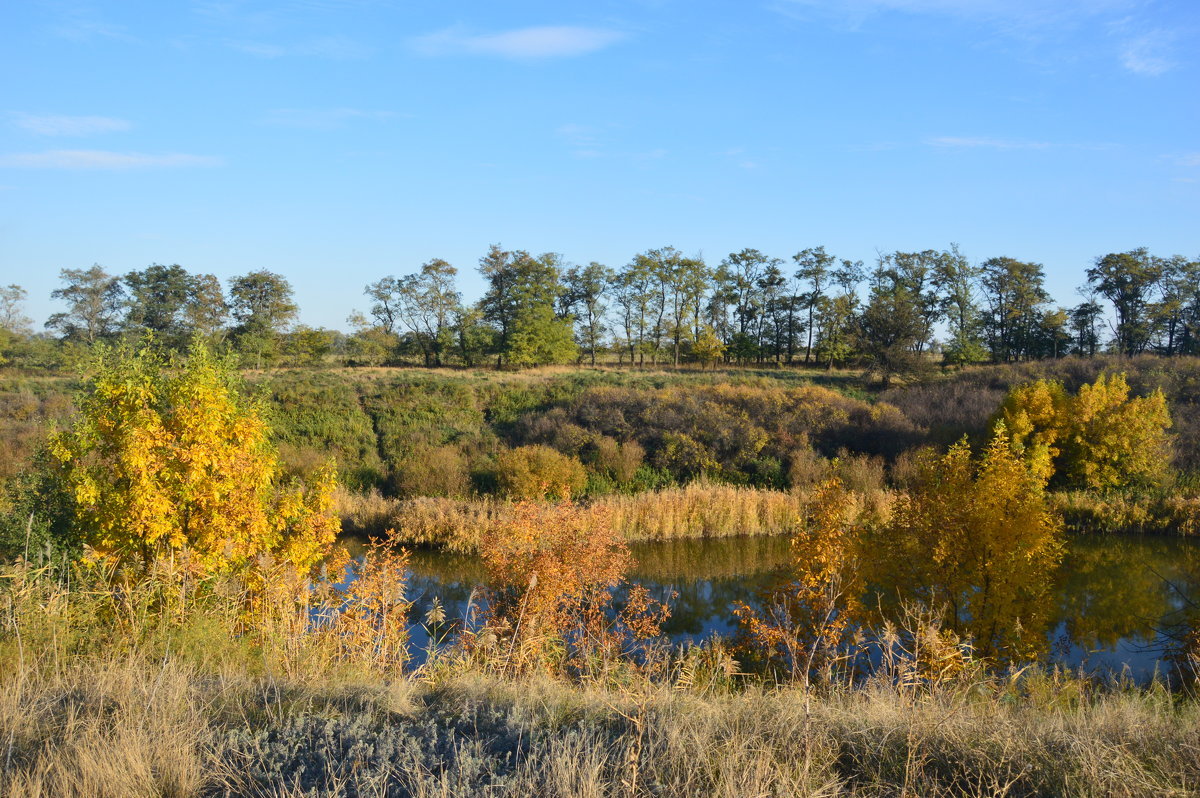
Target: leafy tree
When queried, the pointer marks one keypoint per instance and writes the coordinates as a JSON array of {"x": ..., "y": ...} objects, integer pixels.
[
  {"x": 1015, "y": 297},
  {"x": 661, "y": 265},
  {"x": 1175, "y": 316},
  {"x": 520, "y": 305},
  {"x": 813, "y": 268},
  {"x": 540, "y": 337},
  {"x": 743, "y": 348},
  {"x": 1127, "y": 280},
  {"x": 1054, "y": 340},
  {"x": 309, "y": 346},
  {"x": 1100, "y": 439},
  {"x": 689, "y": 290},
  {"x": 385, "y": 309},
  {"x": 1084, "y": 321},
  {"x": 975, "y": 537},
  {"x": 206, "y": 310},
  {"x": 741, "y": 272},
  {"x": 836, "y": 320},
  {"x": 914, "y": 273},
  {"x": 174, "y": 304},
  {"x": 890, "y": 330},
  {"x": 635, "y": 289},
  {"x": 368, "y": 344},
  {"x": 12, "y": 317},
  {"x": 837, "y": 315},
  {"x": 14, "y": 324},
  {"x": 681, "y": 286},
  {"x": 472, "y": 338},
  {"x": 584, "y": 299},
  {"x": 772, "y": 327},
  {"x": 425, "y": 303},
  {"x": 169, "y": 459},
  {"x": 94, "y": 298},
  {"x": 708, "y": 347},
  {"x": 955, "y": 278},
  {"x": 263, "y": 308}
]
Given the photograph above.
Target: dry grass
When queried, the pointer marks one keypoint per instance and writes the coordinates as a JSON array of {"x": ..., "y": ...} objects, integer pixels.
[
  {"x": 103, "y": 728},
  {"x": 132, "y": 727},
  {"x": 698, "y": 510},
  {"x": 1168, "y": 513}
]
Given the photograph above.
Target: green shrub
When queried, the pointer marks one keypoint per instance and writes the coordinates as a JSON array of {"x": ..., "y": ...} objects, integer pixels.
[{"x": 433, "y": 471}]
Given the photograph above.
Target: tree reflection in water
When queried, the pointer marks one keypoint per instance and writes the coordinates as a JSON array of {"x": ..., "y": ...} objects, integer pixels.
[{"x": 1112, "y": 594}]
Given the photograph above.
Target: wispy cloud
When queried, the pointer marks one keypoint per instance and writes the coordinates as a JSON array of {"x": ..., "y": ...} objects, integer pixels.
[
  {"x": 55, "y": 125},
  {"x": 1189, "y": 159},
  {"x": 1148, "y": 54},
  {"x": 337, "y": 48},
  {"x": 984, "y": 142},
  {"x": 579, "y": 136},
  {"x": 1045, "y": 25},
  {"x": 81, "y": 25},
  {"x": 321, "y": 118},
  {"x": 103, "y": 159},
  {"x": 547, "y": 41},
  {"x": 1012, "y": 14}
]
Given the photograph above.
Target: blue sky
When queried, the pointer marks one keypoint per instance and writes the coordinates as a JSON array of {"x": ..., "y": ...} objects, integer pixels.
[{"x": 339, "y": 141}]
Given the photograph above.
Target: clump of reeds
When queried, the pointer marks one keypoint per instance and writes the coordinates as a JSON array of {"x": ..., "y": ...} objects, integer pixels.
[
  {"x": 703, "y": 509},
  {"x": 698, "y": 510},
  {"x": 1163, "y": 513}
]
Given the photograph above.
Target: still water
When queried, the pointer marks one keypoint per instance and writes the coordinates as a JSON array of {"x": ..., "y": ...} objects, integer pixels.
[{"x": 1113, "y": 594}]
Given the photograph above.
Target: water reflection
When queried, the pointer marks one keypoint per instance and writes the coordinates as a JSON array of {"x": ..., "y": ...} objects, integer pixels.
[{"x": 1111, "y": 596}]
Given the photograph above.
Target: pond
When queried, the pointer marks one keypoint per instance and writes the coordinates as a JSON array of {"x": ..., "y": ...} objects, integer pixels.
[{"x": 1113, "y": 595}]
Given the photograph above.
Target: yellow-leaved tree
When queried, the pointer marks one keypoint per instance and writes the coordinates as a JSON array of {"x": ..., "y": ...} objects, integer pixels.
[
  {"x": 975, "y": 538},
  {"x": 803, "y": 620},
  {"x": 171, "y": 458},
  {"x": 1100, "y": 438}
]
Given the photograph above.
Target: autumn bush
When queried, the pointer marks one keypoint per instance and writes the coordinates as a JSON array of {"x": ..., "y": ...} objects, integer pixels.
[
  {"x": 529, "y": 472},
  {"x": 167, "y": 459},
  {"x": 551, "y": 572},
  {"x": 1100, "y": 438},
  {"x": 975, "y": 541},
  {"x": 433, "y": 471},
  {"x": 617, "y": 461},
  {"x": 806, "y": 467}
]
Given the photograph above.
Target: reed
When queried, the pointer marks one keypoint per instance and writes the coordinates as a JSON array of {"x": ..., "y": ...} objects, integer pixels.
[{"x": 698, "y": 510}]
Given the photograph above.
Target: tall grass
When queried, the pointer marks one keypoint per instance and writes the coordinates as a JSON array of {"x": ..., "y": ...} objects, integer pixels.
[{"x": 697, "y": 510}]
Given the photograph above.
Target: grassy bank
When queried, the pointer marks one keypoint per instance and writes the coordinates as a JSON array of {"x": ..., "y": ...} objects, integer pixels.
[{"x": 131, "y": 726}]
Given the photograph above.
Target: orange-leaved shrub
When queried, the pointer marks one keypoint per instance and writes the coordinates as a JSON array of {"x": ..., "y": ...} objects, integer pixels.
[{"x": 552, "y": 569}]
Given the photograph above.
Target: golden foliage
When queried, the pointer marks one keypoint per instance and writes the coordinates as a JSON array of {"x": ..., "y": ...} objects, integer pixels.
[
  {"x": 530, "y": 472},
  {"x": 803, "y": 622},
  {"x": 170, "y": 458},
  {"x": 975, "y": 537},
  {"x": 1098, "y": 439}
]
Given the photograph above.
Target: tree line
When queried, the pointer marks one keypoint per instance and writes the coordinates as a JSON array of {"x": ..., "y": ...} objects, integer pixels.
[{"x": 910, "y": 310}]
